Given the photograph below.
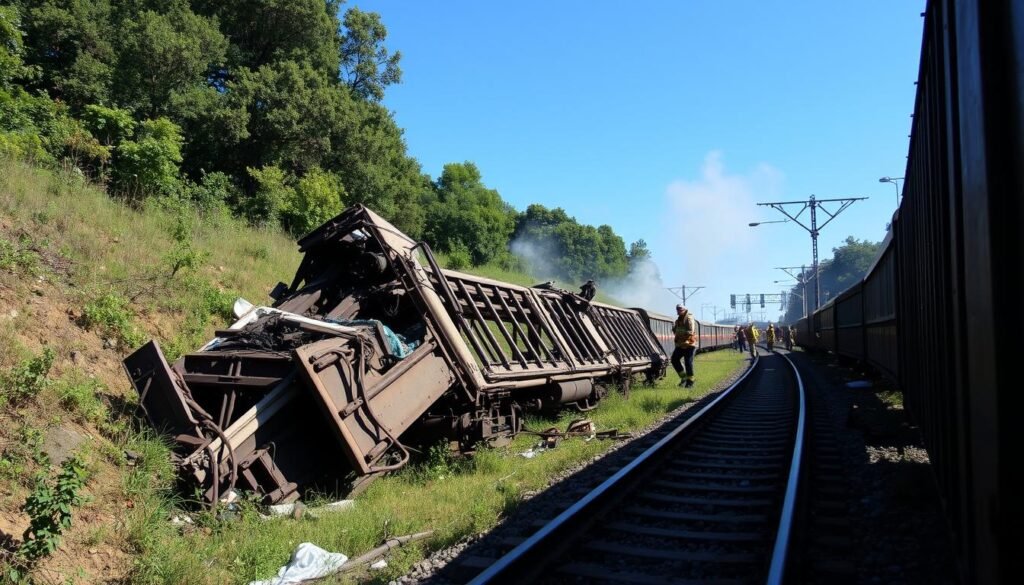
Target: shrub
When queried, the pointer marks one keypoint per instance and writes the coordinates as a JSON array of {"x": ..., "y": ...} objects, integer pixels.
[
  {"x": 23, "y": 145},
  {"x": 49, "y": 508},
  {"x": 512, "y": 263},
  {"x": 28, "y": 378},
  {"x": 110, "y": 315},
  {"x": 111, "y": 126},
  {"x": 316, "y": 199},
  {"x": 459, "y": 257},
  {"x": 182, "y": 255},
  {"x": 272, "y": 191},
  {"x": 212, "y": 193},
  {"x": 149, "y": 165},
  {"x": 17, "y": 455},
  {"x": 18, "y": 257}
]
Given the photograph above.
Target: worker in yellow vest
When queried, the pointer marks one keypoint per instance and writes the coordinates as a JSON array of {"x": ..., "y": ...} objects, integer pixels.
[
  {"x": 753, "y": 336},
  {"x": 685, "y": 330},
  {"x": 769, "y": 336}
]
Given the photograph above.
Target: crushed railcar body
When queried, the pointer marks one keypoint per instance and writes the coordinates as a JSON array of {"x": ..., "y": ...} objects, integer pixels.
[{"x": 371, "y": 346}]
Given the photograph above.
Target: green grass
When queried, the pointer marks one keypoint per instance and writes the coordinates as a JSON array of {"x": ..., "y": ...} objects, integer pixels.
[{"x": 115, "y": 251}]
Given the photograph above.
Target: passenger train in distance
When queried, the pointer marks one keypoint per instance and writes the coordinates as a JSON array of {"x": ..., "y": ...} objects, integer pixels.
[{"x": 710, "y": 336}]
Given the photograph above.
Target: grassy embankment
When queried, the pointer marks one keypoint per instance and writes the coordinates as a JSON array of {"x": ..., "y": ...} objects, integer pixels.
[{"x": 89, "y": 279}]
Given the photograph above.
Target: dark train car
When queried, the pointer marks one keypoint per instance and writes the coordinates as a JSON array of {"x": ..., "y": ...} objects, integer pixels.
[
  {"x": 849, "y": 321},
  {"x": 956, "y": 253},
  {"x": 805, "y": 336},
  {"x": 879, "y": 306},
  {"x": 960, "y": 253},
  {"x": 825, "y": 327}
]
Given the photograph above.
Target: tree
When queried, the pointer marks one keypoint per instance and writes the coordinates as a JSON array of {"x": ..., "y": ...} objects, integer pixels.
[
  {"x": 366, "y": 65},
  {"x": 271, "y": 31},
  {"x": 12, "y": 46},
  {"x": 370, "y": 156},
  {"x": 556, "y": 245},
  {"x": 612, "y": 258},
  {"x": 638, "y": 252},
  {"x": 291, "y": 112},
  {"x": 214, "y": 125},
  {"x": 70, "y": 44},
  {"x": 164, "y": 53},
  {"x": 468, "y": 214}
]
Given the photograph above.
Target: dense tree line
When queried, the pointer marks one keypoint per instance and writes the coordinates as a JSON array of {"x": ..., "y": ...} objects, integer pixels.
[
  {"x": 270, "y": 110},
  {"x": 848, "y": 265}
]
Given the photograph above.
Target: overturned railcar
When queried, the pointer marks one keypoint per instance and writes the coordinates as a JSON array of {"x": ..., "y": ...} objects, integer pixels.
[{"x": 371, "y": 346}]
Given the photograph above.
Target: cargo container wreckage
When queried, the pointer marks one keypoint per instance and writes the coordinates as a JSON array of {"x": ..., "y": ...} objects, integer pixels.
[{"x": 370, "y": 348}]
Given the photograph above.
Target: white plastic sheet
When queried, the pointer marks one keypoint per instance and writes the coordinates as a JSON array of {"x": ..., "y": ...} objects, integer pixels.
[{"x": 308, "y": 562}]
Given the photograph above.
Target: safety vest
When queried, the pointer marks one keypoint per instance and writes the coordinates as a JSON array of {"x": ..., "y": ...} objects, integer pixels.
[
  {"x": 686, "y": 331},
  {"x": 771, "y": 334}
]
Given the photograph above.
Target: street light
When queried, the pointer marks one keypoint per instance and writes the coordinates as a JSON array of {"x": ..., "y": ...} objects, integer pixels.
[
  {"x": 893, "y": 180},
  {"x": 757, "y": 223}
]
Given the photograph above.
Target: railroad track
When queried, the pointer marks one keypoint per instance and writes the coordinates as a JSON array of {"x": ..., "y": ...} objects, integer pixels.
[{"x": 712, "y": 501}]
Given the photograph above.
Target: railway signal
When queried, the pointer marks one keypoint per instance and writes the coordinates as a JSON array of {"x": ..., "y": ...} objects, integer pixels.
[{"x": 780, "y": 298}]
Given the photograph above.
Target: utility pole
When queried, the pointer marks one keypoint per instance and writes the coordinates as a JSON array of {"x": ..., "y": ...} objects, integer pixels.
[
  {"x": 714, "y": 311},
  {"x": 814, "y": 205},
  {"x": 684, "y": 293}
]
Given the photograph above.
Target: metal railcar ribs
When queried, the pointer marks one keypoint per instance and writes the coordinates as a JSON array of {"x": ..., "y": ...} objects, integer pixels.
[{"x": 370, "y": 347}]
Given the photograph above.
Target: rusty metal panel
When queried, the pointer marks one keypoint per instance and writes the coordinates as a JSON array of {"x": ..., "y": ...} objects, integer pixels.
[
  {"x": 368, "y": 411},
  {"x": 160, "y": 392}
]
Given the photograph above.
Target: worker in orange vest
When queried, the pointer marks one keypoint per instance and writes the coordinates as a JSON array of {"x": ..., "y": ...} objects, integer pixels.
[{"x": 685, "y": 330}]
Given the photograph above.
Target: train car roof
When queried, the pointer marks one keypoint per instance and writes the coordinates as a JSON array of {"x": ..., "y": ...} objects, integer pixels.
[{"x": 653, "y": 314}]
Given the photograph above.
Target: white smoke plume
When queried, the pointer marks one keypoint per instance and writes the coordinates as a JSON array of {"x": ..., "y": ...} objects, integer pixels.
[
  {"x": 642, "y": 288},
  {"x": 539, "y": 257},
  {"x": 706, "y": 223}
]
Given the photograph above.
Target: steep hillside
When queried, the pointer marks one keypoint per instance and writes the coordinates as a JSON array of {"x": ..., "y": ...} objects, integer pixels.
[{"x": 83, "y": 279}]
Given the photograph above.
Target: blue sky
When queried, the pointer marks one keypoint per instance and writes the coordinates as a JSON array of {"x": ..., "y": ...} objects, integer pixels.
[{"x": 669, "y": 120}]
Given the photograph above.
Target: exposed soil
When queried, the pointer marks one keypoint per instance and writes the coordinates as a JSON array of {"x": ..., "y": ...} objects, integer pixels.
[{"x": 42, "y": 312}]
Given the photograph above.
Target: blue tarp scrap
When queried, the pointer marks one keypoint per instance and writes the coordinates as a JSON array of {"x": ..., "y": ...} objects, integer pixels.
[{"x": 400, "y": 346}]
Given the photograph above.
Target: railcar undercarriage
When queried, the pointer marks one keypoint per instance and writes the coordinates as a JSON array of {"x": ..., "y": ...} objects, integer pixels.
[{"x": 370, "y": 347}]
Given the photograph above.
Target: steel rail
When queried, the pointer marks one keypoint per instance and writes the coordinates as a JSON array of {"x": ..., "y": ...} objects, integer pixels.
[
  {"x": 518, "y": 553},
  {"x": 780, "y": 552}
]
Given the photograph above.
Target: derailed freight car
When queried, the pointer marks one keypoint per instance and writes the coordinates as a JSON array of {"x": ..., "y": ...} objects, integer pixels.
[{"x": 372, "y": 343}]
